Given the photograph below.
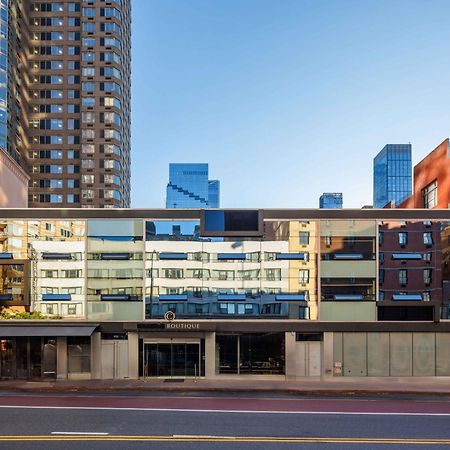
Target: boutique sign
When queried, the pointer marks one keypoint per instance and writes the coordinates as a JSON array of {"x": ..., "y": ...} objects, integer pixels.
[{"x": 182, "y": 326}]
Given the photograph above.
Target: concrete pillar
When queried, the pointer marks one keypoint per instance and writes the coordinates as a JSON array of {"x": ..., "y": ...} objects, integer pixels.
[
  {"x": 290, "y": 355},
  {"x": 210, "y": 355},
  {"x": 61, "y": 358},
  {"x": 96, "y": 355},
  {"x": 133, "y": 355},
  {"x": 327, "y": 371}
]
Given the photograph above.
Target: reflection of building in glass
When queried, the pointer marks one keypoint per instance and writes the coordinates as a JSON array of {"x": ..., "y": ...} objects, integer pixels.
[
  {"x": 410, "y": 272},
  {"x": 392, "y": 180},
  {"x": 331, "y": 200},
  {"x": 189, "y": 187},
  {"x": 285, "y": 293}
]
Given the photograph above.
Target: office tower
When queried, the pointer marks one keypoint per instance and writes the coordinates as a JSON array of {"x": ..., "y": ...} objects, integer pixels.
[
  {"x": 68, "y": 99},
  {"x": 331, "y": 200},
  {"x": 189, "y": 187},
  {"x": 392, "y": 179}
]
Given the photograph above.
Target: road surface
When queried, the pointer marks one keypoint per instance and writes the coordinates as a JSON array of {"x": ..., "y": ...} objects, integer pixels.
[{"x": 112, "y": 421}]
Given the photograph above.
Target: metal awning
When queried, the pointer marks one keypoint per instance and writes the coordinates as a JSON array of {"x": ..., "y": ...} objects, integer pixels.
[{"x": 55, "y": 331}]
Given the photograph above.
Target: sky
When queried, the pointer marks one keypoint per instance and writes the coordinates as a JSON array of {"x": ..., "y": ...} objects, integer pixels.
[{"x": 284, "y": 99}]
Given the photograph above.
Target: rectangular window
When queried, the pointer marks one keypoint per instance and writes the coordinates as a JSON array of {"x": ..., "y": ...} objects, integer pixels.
[
  {"x": 403, "y": 277},
  {"x": 427, "y": 276},
  {"x": 303, "y": 276},
  {"x": 430, "y": 195},
  {"x": 402, "y": 237},
  {"x": 428, "y": 238},
  {"x": 304, "y": 237}
]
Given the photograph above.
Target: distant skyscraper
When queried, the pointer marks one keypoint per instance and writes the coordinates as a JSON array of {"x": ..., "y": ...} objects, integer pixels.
[
  {"x": 189, "y": 187},
  {"x": 331, "y": 200},
  {"x": 392, "y": 175}
]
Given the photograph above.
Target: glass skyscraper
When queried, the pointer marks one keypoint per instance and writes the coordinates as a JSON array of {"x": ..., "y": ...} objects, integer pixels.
[
  {"x": 331, "y": 200},
  {"x": 189, "y": 187},
  {"x": 392, "y": 175}
]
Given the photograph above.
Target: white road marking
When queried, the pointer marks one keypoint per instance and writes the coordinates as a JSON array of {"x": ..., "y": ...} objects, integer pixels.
[
  {"x": 231, "y": 411},
  {"x": 80, "y": 433}
]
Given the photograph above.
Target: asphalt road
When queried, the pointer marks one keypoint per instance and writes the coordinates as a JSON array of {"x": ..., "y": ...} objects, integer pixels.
[{"x": 47, "y": 422}]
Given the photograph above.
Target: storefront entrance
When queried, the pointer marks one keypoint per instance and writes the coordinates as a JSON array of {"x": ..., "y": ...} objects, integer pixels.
[
  {"x": 27, "y": 357},
  {"x": 173, "y": 359}
]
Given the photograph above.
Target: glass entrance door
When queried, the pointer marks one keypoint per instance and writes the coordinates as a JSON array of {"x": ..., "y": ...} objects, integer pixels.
[{"x": 178, "y": 360}]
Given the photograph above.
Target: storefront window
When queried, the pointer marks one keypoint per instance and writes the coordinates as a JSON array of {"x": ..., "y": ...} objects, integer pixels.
[{"x": 79, "y": 354}]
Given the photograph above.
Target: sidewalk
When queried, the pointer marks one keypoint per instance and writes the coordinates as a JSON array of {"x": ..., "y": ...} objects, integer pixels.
[{"x": 305, "y": 386}]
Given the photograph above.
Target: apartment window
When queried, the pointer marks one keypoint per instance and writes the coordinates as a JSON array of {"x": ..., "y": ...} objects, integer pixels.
[
  {"x": 88, "y": 42},
  {"x": 88, "y": 102},
  {"x": 71, "y": 93},
  {"x": 73, "y": 124},
  {"x": 73, "y": 36},
  {"x": 427, "y": 276},
  {"x": 71, "y": 273},
  {"x": 73, "y": 79},
  {"x": 74, "y": 21},
  {"x": 110, "y": 101},
  {"x": 87, "y": 193},
  {"x": 88, "y": 164},
  {"x": 88, "y": 71},
  {"x": 88, "y": 86},
  {"x": 72, "y": 108},
  {"x": 110, "y": 57},
  {"x": 88, "y": 117},
  {"x": 73, "y": 139},
  {"x": 380, "y": 237},
  {"x": 89, "y": 27},
  {"x": 73, "y": 168},
  {"x": 73, "y": 7},
  {"x": 49, "y": 274},
  {"x": 110, "y": 12},
  {"x": 173, "y": 273},
  {"x": 110, "y": 42},
  {"x": 428, "y": 238},
  {"x": 430, "y": 195},
  {"x": 88, "y": 134},
  {"x": 88, "y": 179},
  {"x": 304, "y": 237},
  {"x": 88, "y": 56},
  {"x": 73, "y": 50},
  {"x": 73, "y": 65},
  {"x": 427, "y": 256},
  {"x": 303, "y": 276},
  {"x": 402, "y": 237},
  {"x": 87, "y": 148},
  {"x": 426, "y": 296},
  {"x": 110, "y": 72},
  {"x": 88, "y": 12},
  {"x": 403, "y": 277},
  {"x": 381, "y": 276},
  {"x": 110, "y": 27},
  {"x": 273, "y": 274}
]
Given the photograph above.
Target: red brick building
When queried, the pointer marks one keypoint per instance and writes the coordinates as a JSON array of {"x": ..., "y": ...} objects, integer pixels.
[{"x": 431, "y": 186}]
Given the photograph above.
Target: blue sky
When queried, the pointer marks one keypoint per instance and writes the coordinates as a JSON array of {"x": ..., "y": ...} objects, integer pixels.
[{"x": 285, "y": 99}]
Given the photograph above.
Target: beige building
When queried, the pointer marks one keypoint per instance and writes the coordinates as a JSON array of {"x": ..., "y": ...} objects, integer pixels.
[{"x": 13, "y": 183}]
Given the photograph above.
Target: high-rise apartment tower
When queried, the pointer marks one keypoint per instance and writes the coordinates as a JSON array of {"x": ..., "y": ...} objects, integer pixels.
[{"x": 65, "y": 70}]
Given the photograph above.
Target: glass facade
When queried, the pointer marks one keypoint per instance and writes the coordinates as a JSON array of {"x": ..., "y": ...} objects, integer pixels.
[
  {"x": 331, "y": 200},
  {"x": 139, "y": 269},
  {"x": 392, "y": 175},
  {"x": 189, "y": 187}
]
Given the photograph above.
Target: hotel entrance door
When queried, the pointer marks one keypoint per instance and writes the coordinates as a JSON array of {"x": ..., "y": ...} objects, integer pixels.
[{"x": 172, "y": 359}]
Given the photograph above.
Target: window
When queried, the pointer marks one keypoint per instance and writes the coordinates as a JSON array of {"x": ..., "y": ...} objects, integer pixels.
[
  {"x": 88, "y": 12},
  {"x": 87, "y": 148},
  {"x": 403, "y": 277},
  {"x": 73, "y": 124},
  {"x": 88, "y": 56},
  {"x": 402, "y": 237},
  {"x": 71, "y": 273},
  {"x": 430, "y": 195},
  {"x": 273, "y": 274},
  {"x": 426, "y": 296},
  {"x": 88, "y": 164},
  {"x": 427, "y": 256},
  {"x": 88, "y": 117},
  {"x": 88, "y": 42},
  {"x": 428, "y": 238},
  {"x": 427, "y": 276},
  {"x": 303, "y": 276},
  {"x": 88, "y": 86},
  {"x": 73, "y": 7},
  {"x": 304, "y": 237},
  {"x": 88, "y": 102},
  {"x": 89, "y": 27},
  {"x": 380, "y": 238},
  {"x": 381, "y": 276},
  {"x": 73, "y": 21},
  {"x": 73, "y": 35},
  {"x": 87, "y": 179},
  {"x": 88, "y": 72},
  {"x": 110, "y": 12}
]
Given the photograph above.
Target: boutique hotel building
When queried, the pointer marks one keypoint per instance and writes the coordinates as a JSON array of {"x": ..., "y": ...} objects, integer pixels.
[{"x": 130, "y": 293}]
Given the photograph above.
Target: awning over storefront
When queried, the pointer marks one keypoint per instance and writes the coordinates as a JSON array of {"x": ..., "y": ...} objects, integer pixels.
[{"x": 55, "y": 331}]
